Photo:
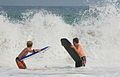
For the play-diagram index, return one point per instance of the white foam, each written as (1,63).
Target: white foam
(99,38)
(43,30)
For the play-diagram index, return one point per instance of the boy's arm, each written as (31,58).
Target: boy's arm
(75,49)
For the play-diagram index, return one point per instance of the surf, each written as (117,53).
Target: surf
(97,28)
(43,29)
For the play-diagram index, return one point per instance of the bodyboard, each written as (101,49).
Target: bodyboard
(20,63)
(67,45)
(34,52)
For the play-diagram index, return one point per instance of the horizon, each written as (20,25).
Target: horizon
(48,2)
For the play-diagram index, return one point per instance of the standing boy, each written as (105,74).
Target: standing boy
(79,50)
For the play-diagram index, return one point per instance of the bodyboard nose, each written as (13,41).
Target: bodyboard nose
(65,42)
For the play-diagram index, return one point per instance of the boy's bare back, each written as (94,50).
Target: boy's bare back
(24,52)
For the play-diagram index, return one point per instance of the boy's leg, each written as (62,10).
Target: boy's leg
(24,64)
(83,60)
(20,64)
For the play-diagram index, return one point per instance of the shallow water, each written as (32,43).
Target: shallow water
(62,71)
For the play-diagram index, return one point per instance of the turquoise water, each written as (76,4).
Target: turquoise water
(69,14)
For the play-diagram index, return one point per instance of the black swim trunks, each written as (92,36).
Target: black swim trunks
(17,59)
(83,59)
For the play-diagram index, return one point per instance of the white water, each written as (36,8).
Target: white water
(99,38)
(43,30)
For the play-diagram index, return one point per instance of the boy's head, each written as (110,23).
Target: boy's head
(29,43)
(75,41)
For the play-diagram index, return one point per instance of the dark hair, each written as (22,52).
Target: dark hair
(76,40)
(29,43)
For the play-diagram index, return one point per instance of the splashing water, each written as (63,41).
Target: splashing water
(98,30)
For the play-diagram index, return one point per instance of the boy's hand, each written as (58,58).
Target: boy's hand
(72,46)
(35,50)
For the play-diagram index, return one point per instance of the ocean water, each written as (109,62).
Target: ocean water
(24,13)
(97,27)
